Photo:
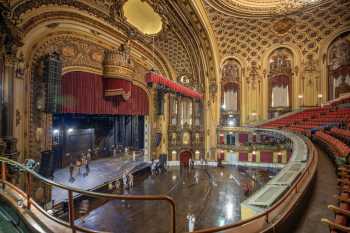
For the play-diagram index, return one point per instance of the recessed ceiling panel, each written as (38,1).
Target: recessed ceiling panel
(142,16)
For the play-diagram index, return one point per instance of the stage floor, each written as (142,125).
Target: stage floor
(101,171)
(214,200)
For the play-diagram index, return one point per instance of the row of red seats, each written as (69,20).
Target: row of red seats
(340,149)
(342,210)
(341,133)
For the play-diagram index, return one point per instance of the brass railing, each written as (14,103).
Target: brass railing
(70,190)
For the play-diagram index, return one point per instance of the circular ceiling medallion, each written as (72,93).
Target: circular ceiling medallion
(261,7)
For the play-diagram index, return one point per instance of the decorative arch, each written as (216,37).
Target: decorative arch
(279,75)
(338,66)
(231,92)
(293,74)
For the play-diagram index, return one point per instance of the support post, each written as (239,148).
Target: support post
(71,210)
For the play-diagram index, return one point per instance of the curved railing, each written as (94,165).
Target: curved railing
(70,190)
(269,219)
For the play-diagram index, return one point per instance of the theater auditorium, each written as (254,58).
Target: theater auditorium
(172,116)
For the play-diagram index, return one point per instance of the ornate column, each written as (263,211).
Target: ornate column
(11,41)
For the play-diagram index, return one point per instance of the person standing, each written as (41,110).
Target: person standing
(71,170)
(88,155)
(114,151)
(125,181)
(131,180)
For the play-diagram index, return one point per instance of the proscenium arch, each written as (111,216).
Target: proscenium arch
(297,56)
(324,47)
(70,20)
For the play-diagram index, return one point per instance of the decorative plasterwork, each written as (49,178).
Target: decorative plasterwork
(262,8)
(250,38)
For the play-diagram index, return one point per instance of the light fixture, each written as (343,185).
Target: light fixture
(223,106)
(254,113)
(231,123)
(300,96)
(70,130)
(56,131)
(319,96)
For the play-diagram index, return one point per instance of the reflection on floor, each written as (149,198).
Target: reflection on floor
(214,200)
(101,171)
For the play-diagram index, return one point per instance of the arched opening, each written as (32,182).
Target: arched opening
(185,157)
(230,93)
(280,63)
(338,55)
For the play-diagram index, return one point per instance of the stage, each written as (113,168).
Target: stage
(102,171)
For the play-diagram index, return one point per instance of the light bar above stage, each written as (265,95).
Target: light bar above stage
(152,77)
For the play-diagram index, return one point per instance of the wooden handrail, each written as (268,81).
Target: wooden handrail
(311,161)
(71,190)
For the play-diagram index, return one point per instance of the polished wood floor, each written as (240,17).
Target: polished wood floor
(214,200)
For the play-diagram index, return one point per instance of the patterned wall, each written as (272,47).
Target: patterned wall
(173,48)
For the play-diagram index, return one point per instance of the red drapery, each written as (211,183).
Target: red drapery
(84,93)
(152,77)
(280,81)
(115,87)
(231,86)
(341,71)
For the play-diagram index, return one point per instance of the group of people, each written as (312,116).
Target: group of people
(157,167)
(83,161)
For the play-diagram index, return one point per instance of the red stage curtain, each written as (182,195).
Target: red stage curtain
(84,93)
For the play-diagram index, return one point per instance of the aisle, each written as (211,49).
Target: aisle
(322,196)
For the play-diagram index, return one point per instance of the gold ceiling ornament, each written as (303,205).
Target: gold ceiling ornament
(140,14)
(118,63)
(283,26)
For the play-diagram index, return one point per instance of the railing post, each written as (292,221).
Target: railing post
(29,189)
(3,174)
(71,210)
(173,217)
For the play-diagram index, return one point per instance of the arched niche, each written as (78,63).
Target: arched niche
(338,61)
(280,74)
(230,92)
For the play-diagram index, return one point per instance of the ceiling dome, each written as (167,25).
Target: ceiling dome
(261,7)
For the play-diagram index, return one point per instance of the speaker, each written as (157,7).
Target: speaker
(46,164)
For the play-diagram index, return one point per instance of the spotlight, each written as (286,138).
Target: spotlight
(70,130)
(56,131)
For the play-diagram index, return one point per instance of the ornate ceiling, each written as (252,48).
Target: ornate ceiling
(179,41)
(249,38)
(258,8)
